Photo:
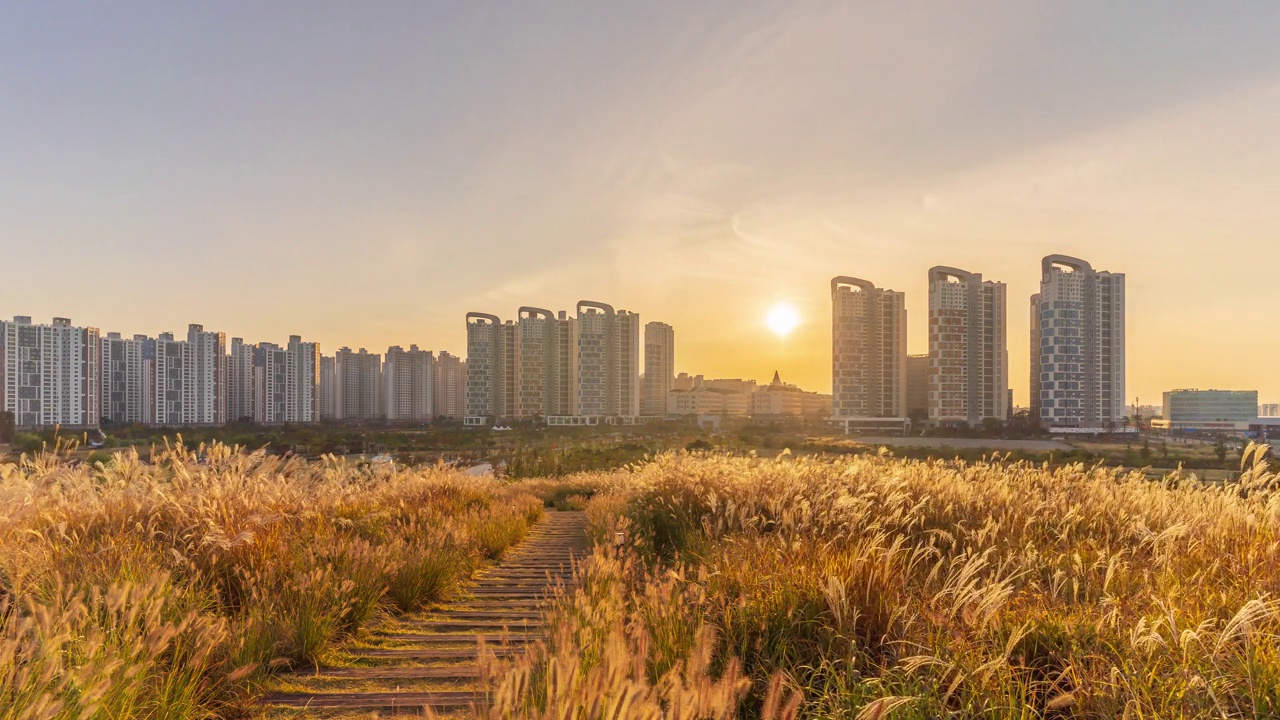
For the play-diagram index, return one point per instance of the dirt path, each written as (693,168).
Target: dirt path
(430,658)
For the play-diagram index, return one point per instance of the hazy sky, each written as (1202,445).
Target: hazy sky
(365,173)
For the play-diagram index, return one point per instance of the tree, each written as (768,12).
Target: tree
(1220,450)
(6,426)
(1145,452)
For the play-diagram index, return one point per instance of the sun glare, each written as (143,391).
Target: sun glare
(782,319)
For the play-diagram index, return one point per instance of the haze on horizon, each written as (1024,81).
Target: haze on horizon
(365,174)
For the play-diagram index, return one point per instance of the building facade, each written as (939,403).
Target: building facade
(302,381)
(359,384)
(127,365)
(659,367)
(205,399)
(918,388)
(968,353)
(408,380)
(240,382)
(1209,410)
(536,363)
(50,374)
(1078,346)
(708,401)
(564,366)
(597,358)
(484,340)
(327,392)
(869,355)
(449,387)
(270,384)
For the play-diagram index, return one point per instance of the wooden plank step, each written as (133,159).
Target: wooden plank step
(437,639)
(394,701)
(424,672)
(512,615)
(466,625)
(431,653)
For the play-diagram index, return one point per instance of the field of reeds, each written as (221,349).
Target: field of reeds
(873,587)
(170,589)
(720,586)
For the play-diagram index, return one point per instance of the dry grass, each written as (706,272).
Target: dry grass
(866,587)
(874,587)
(166,590)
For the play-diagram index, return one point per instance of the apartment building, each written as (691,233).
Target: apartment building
(968,380)
(205,401)
(408,384)
(302,380)
(240,382)
(869,355)
(597,359)
(127,368)
(270,384)
(484,350)
(359,384)
(449,387)
(659,367)
(327,389)
(50,374)
(563,395)
(536,328)
(1077,346)
(171,378)
(918,387)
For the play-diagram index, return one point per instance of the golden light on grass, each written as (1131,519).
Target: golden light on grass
(782,318)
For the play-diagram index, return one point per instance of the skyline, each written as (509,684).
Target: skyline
(365,181)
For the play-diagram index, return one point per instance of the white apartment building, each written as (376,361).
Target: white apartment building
(484,340)
(205,401)
(127,368)
(169,391)
(536,330)
(302,379)
(627,326)
(869,355)
(1077,346)
(597,359)
(270,384)
(240,382)
(359,384)
(407,377)
(50,374)
(968,377)
(659,367)
(449,387)
(327,391)
(563,394)
(508,370)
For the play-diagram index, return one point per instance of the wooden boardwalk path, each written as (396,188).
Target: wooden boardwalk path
(430,659)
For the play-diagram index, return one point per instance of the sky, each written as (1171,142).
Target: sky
(364,174)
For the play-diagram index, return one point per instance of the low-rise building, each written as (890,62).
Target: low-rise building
(708,401)
(1209,410)
(779,399)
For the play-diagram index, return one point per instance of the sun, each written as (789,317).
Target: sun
(782,318)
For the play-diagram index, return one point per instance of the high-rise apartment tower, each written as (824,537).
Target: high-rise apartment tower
(968,354)
(868,354)
(1077,346)
(659,367)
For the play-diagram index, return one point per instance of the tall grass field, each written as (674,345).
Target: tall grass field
(169,590)
(719,586)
